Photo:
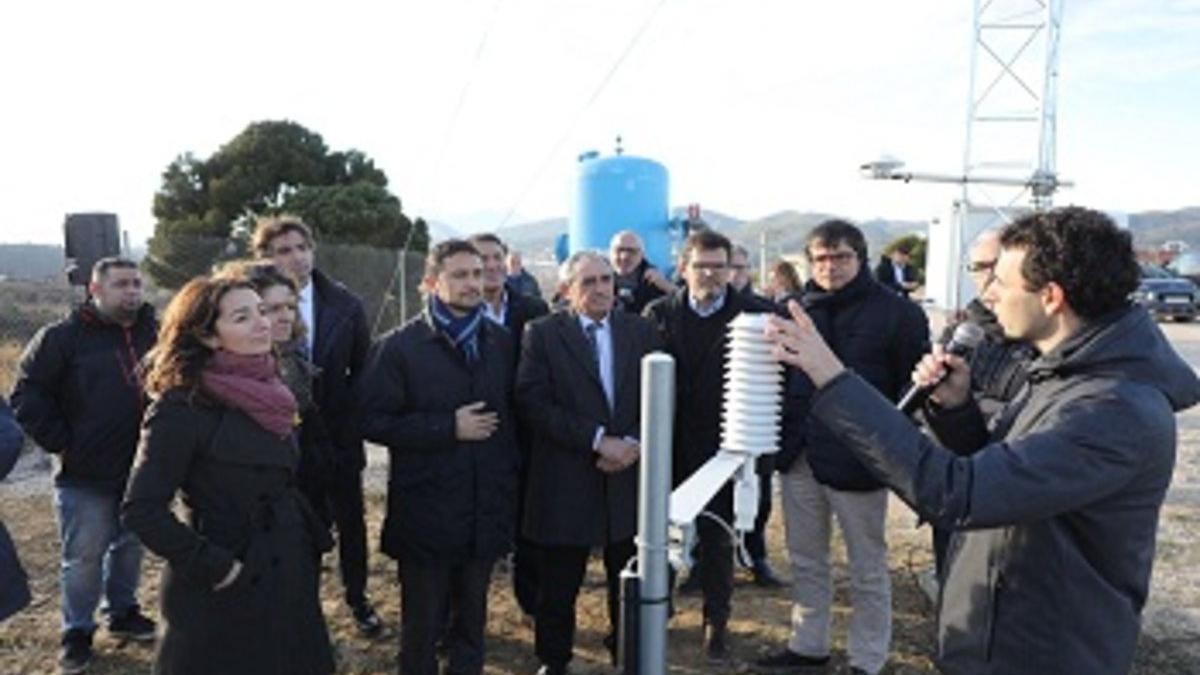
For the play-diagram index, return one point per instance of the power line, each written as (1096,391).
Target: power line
(579,115)
(452,127)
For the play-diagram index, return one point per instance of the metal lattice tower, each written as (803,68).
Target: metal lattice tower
(1009,154)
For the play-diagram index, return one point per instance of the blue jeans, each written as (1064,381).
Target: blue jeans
(97,555)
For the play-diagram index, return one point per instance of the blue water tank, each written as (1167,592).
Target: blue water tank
(617,193)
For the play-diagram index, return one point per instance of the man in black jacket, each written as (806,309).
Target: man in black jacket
(999,365)
(337,341)
(692,325)
(438,394)
(508,307)
(637,281)
(579,392)
(1055,509)
(882,336)
(79,396)
(894,272)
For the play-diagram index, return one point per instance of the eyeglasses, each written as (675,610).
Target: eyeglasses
(840,258)
(708,267)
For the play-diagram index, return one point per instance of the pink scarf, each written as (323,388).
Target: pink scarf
(251,384)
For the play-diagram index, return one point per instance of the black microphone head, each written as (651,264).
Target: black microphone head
(967,336)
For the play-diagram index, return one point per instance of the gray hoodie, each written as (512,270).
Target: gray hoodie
(1055,512)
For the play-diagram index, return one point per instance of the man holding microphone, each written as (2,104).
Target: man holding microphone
(1054,511)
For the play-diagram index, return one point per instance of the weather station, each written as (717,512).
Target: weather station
(1009,152)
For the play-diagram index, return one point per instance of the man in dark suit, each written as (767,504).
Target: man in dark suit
(578,390)
(438,394)
(895,272)
(505,305)
(337,342)
(692,325)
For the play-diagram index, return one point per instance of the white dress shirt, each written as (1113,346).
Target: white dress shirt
(498,315)
(307,306)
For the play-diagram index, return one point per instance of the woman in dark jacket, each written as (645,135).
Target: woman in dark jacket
(280,294)
(240,590)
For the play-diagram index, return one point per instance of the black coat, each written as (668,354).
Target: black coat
(885,274)
(340,343)
(14,587)
(1054,511)
(569,501)
(634,292)
(449,501)
(237,481)
(78,394)
(699,379)
(878,334)
(521,310)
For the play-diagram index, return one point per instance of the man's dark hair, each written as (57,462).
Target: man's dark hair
(1082,251)
(488,237)
(445,249)
(832,232)
(707,240)
(270,227)
(103,265)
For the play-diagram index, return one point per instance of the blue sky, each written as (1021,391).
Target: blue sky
(476,109)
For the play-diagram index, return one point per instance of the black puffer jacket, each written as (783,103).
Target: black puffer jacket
(878,334)
(449,501)
(999,366)
(1055,511)
(79,395)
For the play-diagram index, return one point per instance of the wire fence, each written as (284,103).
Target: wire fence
(386,279)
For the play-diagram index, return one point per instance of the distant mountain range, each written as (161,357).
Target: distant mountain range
(785,232)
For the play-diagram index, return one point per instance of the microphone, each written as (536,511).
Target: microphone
(967,336)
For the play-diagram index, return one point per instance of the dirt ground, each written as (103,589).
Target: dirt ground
(1170,644)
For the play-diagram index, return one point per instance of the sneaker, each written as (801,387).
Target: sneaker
(76,652)
(132,625)
(368,622)
(787,661)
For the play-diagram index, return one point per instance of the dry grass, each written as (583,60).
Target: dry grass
(29,641)
(10,356)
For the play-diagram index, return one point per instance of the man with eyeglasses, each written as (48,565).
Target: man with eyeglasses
(637,281)
(999,365)
(882,336)
(692,324)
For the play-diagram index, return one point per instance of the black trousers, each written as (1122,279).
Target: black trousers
(426,590)
(346,499)
(562,569)
(756,540)
(526,559)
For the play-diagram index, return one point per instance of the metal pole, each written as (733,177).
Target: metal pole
(762,260)
(654,497)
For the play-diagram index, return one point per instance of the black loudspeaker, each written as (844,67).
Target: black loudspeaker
(88,238)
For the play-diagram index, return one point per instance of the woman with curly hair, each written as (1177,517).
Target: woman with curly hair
(240,589)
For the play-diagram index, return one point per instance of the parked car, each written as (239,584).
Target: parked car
(1188,266)
(1166,295)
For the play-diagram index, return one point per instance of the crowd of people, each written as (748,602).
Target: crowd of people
(512,427)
